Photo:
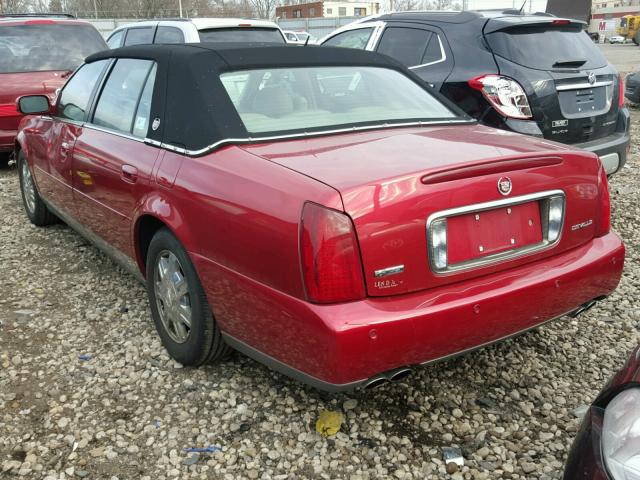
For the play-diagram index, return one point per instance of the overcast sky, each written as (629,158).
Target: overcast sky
(536,5)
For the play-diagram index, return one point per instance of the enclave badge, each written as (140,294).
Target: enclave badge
(504,185)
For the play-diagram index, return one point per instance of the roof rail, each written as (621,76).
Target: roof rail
(36,15)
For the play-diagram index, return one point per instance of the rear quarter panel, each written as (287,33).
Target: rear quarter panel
(240,213)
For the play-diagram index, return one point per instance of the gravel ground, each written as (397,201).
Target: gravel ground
(86,390)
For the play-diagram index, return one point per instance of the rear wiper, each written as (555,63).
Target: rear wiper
(569,63)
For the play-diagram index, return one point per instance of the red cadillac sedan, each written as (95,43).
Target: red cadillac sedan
(320,209)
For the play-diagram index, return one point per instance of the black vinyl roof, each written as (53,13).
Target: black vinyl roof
(241,56)
(193,106)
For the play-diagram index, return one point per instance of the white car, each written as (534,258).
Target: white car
(300,38)
(616,39)
(196,30)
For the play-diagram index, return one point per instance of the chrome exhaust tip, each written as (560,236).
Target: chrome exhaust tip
(375,382)
(399,374)
(583,308)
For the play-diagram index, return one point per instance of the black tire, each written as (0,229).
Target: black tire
(204,342)
(35,208)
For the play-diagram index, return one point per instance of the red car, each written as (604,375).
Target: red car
(319,209)
(37,53)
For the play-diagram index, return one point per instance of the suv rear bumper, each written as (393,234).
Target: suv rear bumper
(344,346)
(611,149)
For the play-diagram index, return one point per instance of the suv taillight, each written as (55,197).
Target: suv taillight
(621,98)
(504,94)
(604,215)
(331,265)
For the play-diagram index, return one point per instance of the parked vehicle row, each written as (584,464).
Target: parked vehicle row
(326,210)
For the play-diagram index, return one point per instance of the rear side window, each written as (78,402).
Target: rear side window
(541,48)
(169,35)
(242,35)
(115,40)
(139,36)
(407,45)
(120,100)
(74,99)
(351,39)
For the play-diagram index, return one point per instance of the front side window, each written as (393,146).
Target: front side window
(115,40)
(75,97)
(47,47)
(351,39)
(307,98)
(120,103)
(139,36)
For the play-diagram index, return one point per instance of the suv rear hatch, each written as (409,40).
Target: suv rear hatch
(396,184)
(572,90)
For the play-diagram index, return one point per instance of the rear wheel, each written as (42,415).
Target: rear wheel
(34,207)
(179,306)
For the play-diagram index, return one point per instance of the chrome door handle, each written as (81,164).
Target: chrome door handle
(129,173)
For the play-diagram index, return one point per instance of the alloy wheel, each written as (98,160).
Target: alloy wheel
(28,188)
(173,296)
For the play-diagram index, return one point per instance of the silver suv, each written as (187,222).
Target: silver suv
(195,30)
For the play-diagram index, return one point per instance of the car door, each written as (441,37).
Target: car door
(422,48)
(55,178)
(112,164)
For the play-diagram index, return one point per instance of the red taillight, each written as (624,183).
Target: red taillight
(331,265)
(604,217)
(621,99)
(9,110)
(505,94)
(561,22)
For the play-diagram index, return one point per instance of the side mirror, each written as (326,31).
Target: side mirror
(33,104)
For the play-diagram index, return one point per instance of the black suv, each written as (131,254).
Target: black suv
(533,74)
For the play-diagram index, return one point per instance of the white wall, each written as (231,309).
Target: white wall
(534,5)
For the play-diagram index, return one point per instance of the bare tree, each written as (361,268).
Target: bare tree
(264,8)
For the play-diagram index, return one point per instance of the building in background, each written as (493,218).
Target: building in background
(606,15)
(327,9)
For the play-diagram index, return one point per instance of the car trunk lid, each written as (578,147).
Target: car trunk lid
(394,182)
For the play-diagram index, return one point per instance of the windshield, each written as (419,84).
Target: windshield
(42,47)
(547,48)
(279,100)
(242,35)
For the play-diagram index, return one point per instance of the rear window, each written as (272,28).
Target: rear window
(43,47)
(308,98)
(545,48)
(241,35)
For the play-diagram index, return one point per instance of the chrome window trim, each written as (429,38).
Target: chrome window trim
(226,141)
(443,54)
(117,133)
(497,257)
(583,85)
